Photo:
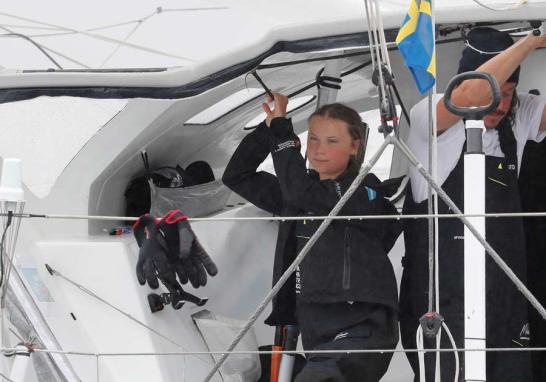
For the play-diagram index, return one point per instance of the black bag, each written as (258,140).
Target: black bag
(193,191)
(137,193)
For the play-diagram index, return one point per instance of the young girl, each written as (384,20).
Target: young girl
(344,294)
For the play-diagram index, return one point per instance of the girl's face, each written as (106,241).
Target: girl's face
(329,146)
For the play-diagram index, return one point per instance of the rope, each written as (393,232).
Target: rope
(362,173)
(375,45)
(455,351)
(431,209)
(516,5)
(419,340)
(433,226)
(382,38)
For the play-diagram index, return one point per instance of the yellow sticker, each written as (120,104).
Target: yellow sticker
(500,166)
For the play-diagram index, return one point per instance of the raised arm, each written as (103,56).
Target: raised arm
(258,187)
(476,92)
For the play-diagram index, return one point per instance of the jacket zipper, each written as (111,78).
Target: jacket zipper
(347,260)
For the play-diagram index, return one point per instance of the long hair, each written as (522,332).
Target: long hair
(507,140)
(358,129)
(511,115)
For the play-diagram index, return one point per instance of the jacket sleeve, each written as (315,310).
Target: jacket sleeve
(307,193)
(258,187)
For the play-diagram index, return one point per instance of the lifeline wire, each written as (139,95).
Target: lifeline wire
(54,272)
(241,352)
(287,218)
(362,173)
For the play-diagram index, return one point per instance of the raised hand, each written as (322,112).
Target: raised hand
(279,108)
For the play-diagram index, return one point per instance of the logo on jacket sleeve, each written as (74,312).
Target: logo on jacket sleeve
(338,188)
(372,194)
(287,144)
(298,280)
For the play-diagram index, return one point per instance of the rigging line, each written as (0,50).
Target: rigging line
(19,207)
(86,30)
(382,39)
(374,50)
(430,210)
(434,169)
(105,26)
(490,251)
(368,29)
(376,45)
(101,37)
(43,48)
(378,49)
(288,218)
(515,5)
(68,58)
(305,250)
(258,352)
(10,33)
(139,23)
(54,272)
(6,378)
(111,26)
(27,27)
(435,166)
(3,248)
(455,351)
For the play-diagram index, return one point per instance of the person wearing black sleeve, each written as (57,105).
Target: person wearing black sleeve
(343,295)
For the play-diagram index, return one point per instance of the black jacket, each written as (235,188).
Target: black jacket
(349,261)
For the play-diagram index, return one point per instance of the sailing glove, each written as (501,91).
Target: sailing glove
(190,260)
(153,257)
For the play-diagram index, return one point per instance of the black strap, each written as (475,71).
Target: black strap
(144,156)
(327,81)
(146,162)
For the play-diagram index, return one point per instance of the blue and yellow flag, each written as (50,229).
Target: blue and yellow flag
(415,41)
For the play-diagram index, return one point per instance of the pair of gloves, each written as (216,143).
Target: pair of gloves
(169,248)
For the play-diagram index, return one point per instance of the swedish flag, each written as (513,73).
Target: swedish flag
(415,41)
